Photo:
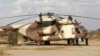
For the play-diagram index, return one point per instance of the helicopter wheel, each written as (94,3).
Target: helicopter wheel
(86,41)
(71,41)
(46,42)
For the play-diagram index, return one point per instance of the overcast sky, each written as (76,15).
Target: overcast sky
(90,8)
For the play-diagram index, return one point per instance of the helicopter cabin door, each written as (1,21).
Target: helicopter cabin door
(67,31)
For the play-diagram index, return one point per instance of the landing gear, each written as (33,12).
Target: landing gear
(47,42)
(71,41)
(43,43)
(76,41)
(68,41)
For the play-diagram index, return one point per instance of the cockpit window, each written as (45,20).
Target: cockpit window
(77,30)
(82,29)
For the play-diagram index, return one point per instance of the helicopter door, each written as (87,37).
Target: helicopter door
(67,31)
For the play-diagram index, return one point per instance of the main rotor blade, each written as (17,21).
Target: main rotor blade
(80,16)
(20,20)
(19,16)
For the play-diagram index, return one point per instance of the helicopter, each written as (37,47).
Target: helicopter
(48,27)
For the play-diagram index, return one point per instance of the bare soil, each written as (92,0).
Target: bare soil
(58,48)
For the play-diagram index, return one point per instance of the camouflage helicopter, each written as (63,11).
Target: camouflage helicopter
(49,27)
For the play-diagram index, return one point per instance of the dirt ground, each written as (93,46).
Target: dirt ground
(58,48)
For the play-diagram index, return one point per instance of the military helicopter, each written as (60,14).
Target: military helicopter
(49,27)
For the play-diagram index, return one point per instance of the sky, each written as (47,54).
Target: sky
(90,8)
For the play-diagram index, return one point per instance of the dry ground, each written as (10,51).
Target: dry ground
(58,48)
